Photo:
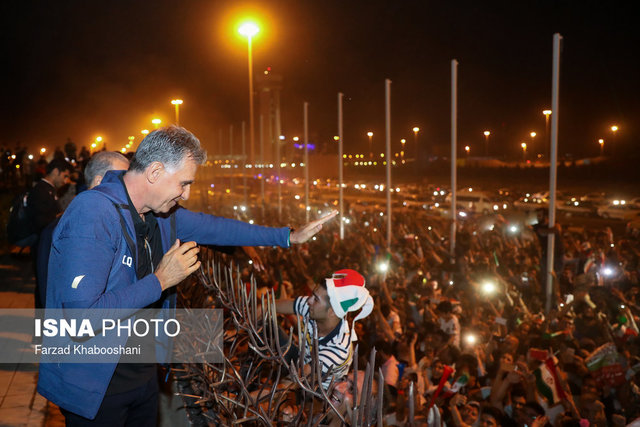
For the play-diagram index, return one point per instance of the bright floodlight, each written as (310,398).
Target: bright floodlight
(369,133)
(383,267)
(156,121)
(488,287)
(471,339)
(416,129)
(176,101)
(614,128)
(546,112)
(487,133)
(248,29)
(607,271)
(533,134)
(513,229)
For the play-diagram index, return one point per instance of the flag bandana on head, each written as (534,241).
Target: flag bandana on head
(347,293)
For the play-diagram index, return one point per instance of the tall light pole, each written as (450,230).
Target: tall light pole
(177,103)
(614,129)
(415,129)
(370,135)
(546,113)
(532,135)
(524,151)
(601,142)
(486,143)
(250,29)
(341,163)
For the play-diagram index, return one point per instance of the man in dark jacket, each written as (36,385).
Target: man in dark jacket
(114,248)
(43,208)
(42,203)
(98,166)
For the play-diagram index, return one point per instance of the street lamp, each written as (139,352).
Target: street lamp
(145,131)
(486,143)
(532,135)
(467,149)
(547,142)
(524,151)
(370,135)
(614,129)
(402,142)
(156,122)
(249,30)
(177,103)
(601,142)
(415,129)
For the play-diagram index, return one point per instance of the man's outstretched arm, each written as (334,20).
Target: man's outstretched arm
(284,306)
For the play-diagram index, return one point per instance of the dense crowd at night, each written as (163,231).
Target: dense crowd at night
(469,335)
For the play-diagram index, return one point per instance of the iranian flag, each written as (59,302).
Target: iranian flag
(547,382)
(455,388)
(447,372)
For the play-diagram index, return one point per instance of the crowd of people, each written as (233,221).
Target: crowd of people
(472,337)
(468,336)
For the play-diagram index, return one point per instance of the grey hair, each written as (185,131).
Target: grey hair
(100,163)
(170,146)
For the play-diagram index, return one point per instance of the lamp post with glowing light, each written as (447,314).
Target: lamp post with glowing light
(370,135)
(156,123)
(601,142)
(486,143)
(402,142)
(177,103)
(467,149)
(145,132)
(415,129)
(249,30)
(614,129)
(98,140)
(532,135)
(524,151)
(546,113)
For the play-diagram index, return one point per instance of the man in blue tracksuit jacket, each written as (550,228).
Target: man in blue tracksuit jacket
(113,249)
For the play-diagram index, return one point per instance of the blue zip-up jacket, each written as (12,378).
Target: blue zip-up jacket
(89,242)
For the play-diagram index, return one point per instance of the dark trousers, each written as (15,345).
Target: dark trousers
(138,407)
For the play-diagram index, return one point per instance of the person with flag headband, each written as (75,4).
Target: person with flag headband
(325,315)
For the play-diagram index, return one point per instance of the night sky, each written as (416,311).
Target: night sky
(85,68)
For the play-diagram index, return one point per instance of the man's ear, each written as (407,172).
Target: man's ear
(154,172)
(96,181)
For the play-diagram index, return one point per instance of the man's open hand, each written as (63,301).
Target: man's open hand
(308,231)
(178,263)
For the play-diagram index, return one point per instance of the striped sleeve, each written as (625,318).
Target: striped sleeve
(301,306)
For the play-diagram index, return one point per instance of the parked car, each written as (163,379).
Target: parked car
(618,211)
(472,200)
(574,206)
